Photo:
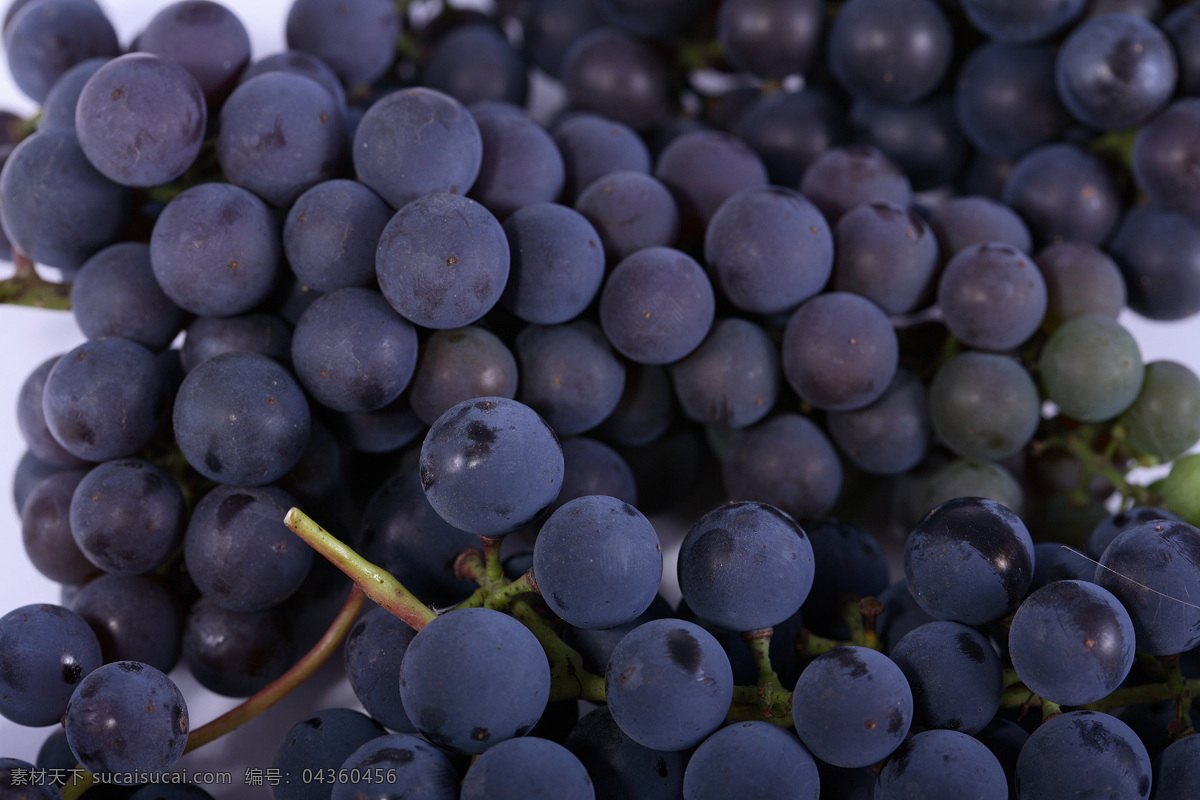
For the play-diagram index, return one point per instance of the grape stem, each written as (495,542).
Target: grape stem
(768,700)
(271,694)
(376,582)
(27,288)
(569,680)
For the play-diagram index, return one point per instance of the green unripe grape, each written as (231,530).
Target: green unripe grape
(984,405)
(966,478)
(1181,489)
(1164,421)
(1091,368)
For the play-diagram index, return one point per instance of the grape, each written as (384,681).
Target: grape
(923,139)
(961,222)
(1181,28)
(768,250)
(889,436)
(886,254)
(1159,254)
(569,375)
(597,562)
(1091,368)
(474,63)
(1151,568)
(45,650)
(126,717)
(853,706)
(442,261)
(215,250)
(320,742)
(527,769)
(352,351)
(1080,279)
(840,351)
(1083,752)
(1115,71)
(47,38)
(206,38)
(703,169)
(1072,642)
(241,419)
(852,564)
(983,405)
(789,130)
(770,39)
(757,758)
(745,566)
(134,617)
(841,178)
(970,560)
(630,211)
(653,19)
(668,684)
(235,653)
(280,134)
(645,410)
(374,650)
(489,651)
(115,294)
(890,52)
(1162,151)
(550,27)
(262,333)
(593,147)
(593,467)
(1055,561)
(490,466)
(992,296)
(1108,529)
(31,419)
(521,164)
(657,306)
(46,530)
(457,365)
(382,431)
(127,516)
(557,264)
(356,38)
(1164,420)
(966,478)
(1021,21)
(616,76)
(423,771)
(58,109)
(620,768)
(1178,770)
(732,378)
(1064,194)
(299,62)
(955,675)
(415,142)
(785,461)
(942,765)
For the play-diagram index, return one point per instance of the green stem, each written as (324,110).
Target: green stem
(81,781)
(1011,678)
(1182,697)
(27,288)
(1097,464)
(493,570)
(1050,709)
(501,598)
(768,700)
(376,582)
(568,678)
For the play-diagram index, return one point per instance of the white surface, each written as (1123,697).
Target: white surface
(28,337)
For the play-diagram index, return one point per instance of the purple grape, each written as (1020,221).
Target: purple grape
(45,651)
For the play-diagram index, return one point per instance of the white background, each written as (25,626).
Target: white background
(29,336)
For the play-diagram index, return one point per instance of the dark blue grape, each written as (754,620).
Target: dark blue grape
(490,466)
(424,771)
(768,249)
(1163,151)
(569,374)
(527,769)
(241,419)
(457,365)
(352,351)
(844,177)
(105,399)
(134,617)
(668,685)
(320,742)
(789,130)
(115,294)
(620,768)
(550,27)
(206,38)
(489,651)
(1159,254)
(55,206)
(58,109)
(745,566)
(1080,279)
(923,140)
(1178,770)
(1115,71)
(442,261)
(45,39)
(1055,561)
(236,654)
(657,306)
(752,759)
(592,467)
(263,333)
(992,296)
(1005,99)
(705,168)
(889,52)
(961,222)
(1182,27)
(942,765)
(853,706)
(786,461)
(45,651)
(127,516)
(653,19)
(127,717)
(215,250)
(1064,194)
(616,76)
(31,420)
(889,436)
(521,164)
(631,211)
(374,649)
(46,530)
(1083,752)
(474,62)
(299,62)
(732,378)
(1152,568)
(955,674)
(357,39)
(29,473)
(557,264)
(969,560)
(280,134)
(141,120)
(597,562)
(1023,20)
(646,408)
(382,431)
(852,565)
(593,147)
(771,39)
(239,552)
(416,142)
(886,254)
(330,234)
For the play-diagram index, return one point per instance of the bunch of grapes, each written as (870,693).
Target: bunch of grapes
(635,398)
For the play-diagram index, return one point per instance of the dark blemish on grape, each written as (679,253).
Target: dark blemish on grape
(129,666)
(313,722)
(72,673)
(901,758)
(12,672)
(522,730)
(630,510)
(685,651)
(954,724)
(970,647)
(557,598)
(427,476)
(212,461)
(1094,735)
(848,660)
(480,439)
(1144,786)
(389,756)
(486,405)
(275,138)
(357,630)
(895,720)
(433,719)
(480,734)
(661,764)
(88,690)
(504,509)
(231,506)
(716,547)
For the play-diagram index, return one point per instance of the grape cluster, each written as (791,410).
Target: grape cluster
(814,305)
